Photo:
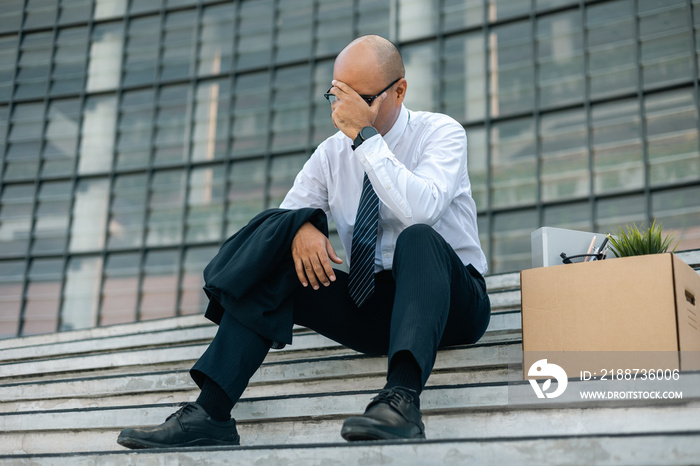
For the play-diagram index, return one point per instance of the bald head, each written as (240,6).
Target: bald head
(385,55)
(369,66)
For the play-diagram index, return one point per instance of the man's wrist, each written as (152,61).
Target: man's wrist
(364,134)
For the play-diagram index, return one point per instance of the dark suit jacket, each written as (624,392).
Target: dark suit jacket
(252,277)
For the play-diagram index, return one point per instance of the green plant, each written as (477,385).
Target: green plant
(635,242)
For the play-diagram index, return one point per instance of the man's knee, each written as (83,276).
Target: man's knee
(416,236)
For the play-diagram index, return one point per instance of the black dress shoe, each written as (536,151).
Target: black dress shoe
(390,415)
(189,426)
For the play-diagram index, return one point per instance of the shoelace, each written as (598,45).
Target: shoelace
(185,408)
(393,397)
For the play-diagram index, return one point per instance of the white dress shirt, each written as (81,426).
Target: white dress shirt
(419,172)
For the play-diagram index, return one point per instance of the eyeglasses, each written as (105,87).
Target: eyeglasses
(369,99)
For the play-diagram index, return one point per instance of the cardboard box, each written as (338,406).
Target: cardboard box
(613,313)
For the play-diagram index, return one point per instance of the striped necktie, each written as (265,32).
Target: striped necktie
(364,245)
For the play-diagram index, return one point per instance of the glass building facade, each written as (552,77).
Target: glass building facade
(137,135)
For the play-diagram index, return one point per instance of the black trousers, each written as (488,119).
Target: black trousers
(429,300)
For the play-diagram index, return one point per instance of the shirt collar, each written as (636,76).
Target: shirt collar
(396,131)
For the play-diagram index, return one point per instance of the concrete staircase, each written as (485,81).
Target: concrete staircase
(64,398)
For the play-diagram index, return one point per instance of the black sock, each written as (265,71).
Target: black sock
(405,372)
(215,401)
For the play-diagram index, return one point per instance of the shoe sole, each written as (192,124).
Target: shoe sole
(138,444)
(368,432)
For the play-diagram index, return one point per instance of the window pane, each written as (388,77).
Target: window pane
(696,28)
(127,211)
(178,42)
(159,291)
(246,194)
(175,3)
(478,165)
(514,164)
(511,241)
(211,113)
(282,174)
(611,48)
(97,143)
(250,114)
(43,296)
(142,46)
(572,216)
(11,18)
(166,208)
(255,34)
(560,59)
(665,48)
(120,289)
(172,128)
(89,215)
(421,74)
(143,7)
(105,57)
(24,141)
(192,297)
(8,62)
(81,294)
(293,38)
(34,65)
(4,122)
(417,18)
(334,26)
(511,69)
(69,61)
(290,122)
(71,11)
(11,280)
(502,9)
(672,137)
(61,142)
(617,150)
(109,8)
(679,212)
(134,132)
(618,212)
(564,148)
(16,206)
(545,4)
(322,124)
(216,39)
(205,204)
(458,14)
(465,78)
(374,17)
(52,216)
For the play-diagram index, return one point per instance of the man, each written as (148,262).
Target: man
(396,184)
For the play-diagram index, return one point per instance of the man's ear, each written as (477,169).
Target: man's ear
(401,87)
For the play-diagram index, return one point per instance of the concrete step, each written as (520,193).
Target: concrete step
(495,284)
(668,449)
(74,391)
(612,450)
(201,331)
(196,331)
(129,351)
(503,289)
(468,411)
(456,364)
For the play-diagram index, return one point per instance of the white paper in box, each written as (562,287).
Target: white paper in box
(548,243)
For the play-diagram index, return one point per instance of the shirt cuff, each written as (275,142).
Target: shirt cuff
(369,152)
